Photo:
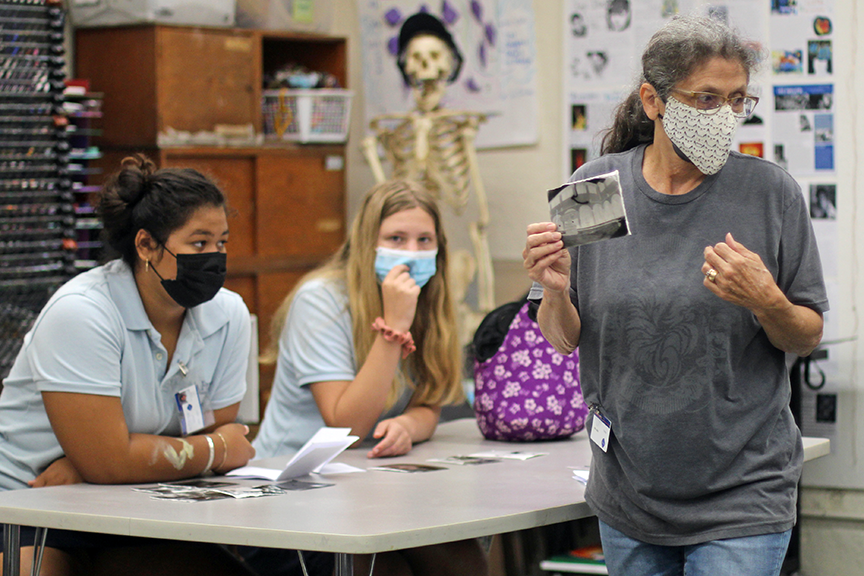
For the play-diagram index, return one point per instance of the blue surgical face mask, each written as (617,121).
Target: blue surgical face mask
(421,263)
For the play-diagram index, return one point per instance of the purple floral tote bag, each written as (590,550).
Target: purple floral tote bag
(526,390)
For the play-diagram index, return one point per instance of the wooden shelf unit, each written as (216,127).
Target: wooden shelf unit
(190,78)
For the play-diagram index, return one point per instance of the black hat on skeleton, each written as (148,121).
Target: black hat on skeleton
(425,23)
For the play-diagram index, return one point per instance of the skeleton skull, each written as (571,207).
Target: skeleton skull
(428,66)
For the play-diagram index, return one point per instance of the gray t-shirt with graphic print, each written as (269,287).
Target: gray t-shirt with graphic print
(703,443)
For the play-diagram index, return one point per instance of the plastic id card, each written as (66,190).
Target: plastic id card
(191,415)
(601,429)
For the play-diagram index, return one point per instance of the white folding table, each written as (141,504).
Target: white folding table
(362,513)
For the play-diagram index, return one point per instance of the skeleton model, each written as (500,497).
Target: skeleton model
(436,147)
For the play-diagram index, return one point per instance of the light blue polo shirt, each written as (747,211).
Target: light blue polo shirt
(94,337)
(316,345)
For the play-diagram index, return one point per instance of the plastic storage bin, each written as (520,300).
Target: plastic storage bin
(88,13)
(297,15)
(307,115)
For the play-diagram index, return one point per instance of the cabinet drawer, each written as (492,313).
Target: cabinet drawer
(300,207)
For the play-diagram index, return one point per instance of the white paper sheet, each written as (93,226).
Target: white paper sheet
(325,444)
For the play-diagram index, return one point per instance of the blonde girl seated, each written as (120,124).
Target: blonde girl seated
(368,342)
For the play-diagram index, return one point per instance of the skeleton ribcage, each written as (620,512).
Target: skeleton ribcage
(445,169)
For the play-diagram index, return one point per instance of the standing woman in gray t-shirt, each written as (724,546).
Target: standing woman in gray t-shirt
(683,325)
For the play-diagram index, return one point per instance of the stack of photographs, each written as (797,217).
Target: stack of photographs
(202,490)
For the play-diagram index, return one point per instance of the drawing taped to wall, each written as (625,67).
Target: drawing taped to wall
(578,157)
(579,120)
(823,141)
(787,62)
(752,148)
(819,58)
(618,15)
(784,6)
(823,201)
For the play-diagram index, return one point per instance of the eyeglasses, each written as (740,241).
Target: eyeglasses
(709,103)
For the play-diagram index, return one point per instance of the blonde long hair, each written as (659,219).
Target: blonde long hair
(436,365)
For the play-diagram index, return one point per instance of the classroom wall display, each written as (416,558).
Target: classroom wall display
(802,39)
(498,76)
(803,142)
(802,66)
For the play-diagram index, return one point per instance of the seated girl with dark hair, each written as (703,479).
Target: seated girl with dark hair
(95,391)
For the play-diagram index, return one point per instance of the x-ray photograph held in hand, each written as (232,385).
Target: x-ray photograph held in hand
(589,210)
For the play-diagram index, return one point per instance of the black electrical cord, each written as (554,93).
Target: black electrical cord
(807,362)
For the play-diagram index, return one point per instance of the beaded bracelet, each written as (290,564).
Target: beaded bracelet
(391,335)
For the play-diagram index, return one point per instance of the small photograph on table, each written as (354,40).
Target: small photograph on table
(406,467)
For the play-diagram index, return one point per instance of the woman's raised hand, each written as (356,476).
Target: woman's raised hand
(399,293)
(545,258)
(740,276)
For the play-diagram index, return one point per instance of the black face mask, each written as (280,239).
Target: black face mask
(199,277)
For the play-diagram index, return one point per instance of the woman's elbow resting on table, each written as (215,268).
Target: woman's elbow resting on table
(398,435)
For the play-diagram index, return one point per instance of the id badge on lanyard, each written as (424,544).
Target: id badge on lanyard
(191,414)
(601,429)
(194,409)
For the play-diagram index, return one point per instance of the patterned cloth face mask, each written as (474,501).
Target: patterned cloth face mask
(421,263)
(704,139)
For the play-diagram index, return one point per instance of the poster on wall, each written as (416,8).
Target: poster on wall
(498,75)
(804,128)
(605,38)
(802,60)
(802,69)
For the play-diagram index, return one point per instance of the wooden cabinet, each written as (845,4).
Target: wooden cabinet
(287,199)
(155,77)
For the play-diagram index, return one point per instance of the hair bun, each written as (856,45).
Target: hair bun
(134,178)
(139,162)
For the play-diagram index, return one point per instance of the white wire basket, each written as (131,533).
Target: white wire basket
(307,115)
